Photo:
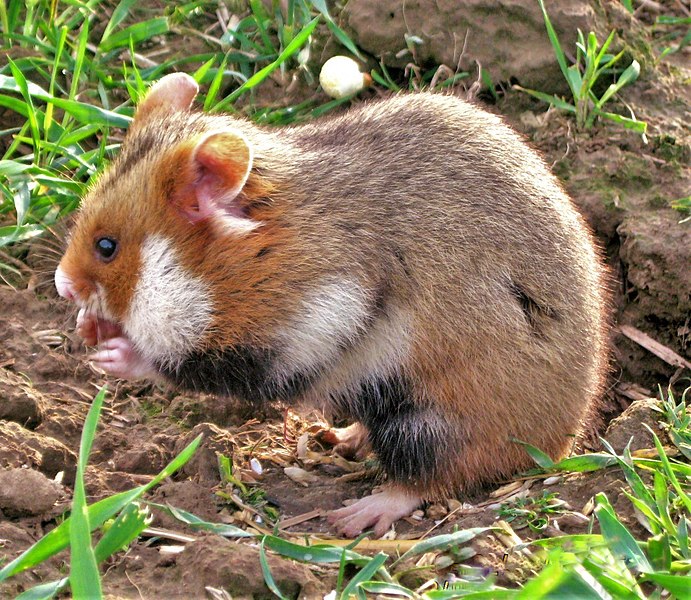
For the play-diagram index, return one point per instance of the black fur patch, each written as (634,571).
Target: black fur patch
(532,309)
(263,251)
(243,372)
(400,257)
(412,440)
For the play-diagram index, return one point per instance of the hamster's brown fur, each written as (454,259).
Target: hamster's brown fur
(411,264)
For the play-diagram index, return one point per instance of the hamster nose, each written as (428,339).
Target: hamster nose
(64,285)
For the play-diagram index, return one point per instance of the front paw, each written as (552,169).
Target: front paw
(93,329)
(118,357)
(350,442)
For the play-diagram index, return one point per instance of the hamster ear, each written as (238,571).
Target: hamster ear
(175,92)
(221,163)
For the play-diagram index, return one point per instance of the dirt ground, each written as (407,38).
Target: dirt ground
(622,185)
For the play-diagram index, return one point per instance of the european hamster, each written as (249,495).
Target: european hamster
(410,264)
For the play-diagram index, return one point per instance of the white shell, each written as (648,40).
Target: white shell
(340,76)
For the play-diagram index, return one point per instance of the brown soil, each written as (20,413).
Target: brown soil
(46,387)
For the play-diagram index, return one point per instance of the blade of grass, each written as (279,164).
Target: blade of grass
(137,32)
(556,582)
(629,75)
(84,113)
(15,105)
(365,574)
(620,541)
(556,45)
(56,69)
(266,571)
(632,477)
(442,542)
(314,554)
(653,523)
(215,85)
(328,106)
(338,33)
(119,15)
(662,502)
(659,552)
(669,472)
(453,594)
(5,23)
(585,462)
(85,580)
(341,574)
(260,17)
(549,98)
(678,585)
(12,234)
(23,88)
(600,58)
(683,537)
(22,200)
(45,591)
(79,58)
(388,589)
(195,522)
(621,588)
(131,521)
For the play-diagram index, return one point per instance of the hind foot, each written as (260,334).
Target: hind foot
(380,510)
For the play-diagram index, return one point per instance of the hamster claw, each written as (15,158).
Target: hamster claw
(380,510)
(118,357)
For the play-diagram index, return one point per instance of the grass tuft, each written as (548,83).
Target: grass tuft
(591,64)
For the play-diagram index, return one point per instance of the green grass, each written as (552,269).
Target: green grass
(534,513)
(592,64)
(683,205)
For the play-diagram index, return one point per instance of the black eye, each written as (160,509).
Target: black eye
(106,248)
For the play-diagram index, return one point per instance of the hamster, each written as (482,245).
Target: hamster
(411,265)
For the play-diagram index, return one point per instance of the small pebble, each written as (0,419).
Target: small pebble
(453,504)
(436,512)
(573,519)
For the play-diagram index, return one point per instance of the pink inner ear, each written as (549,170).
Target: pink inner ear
(219,167)
(213,195)
(219,182)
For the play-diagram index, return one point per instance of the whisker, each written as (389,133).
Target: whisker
(98,311)
(15,262)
